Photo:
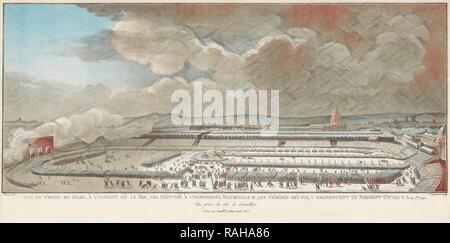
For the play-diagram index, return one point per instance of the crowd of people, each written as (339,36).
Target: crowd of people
(184,173)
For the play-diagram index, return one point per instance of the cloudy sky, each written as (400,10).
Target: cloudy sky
(128,59)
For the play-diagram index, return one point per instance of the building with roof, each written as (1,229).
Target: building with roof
(428,139)
(39,146)
(441,141)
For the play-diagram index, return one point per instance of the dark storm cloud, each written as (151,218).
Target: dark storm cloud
(361,59)
(96,48)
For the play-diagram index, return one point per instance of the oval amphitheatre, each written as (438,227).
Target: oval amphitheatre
(239,159)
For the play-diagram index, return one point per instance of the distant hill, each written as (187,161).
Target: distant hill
(164,120)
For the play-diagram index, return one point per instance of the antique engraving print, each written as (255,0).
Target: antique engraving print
(224,98)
